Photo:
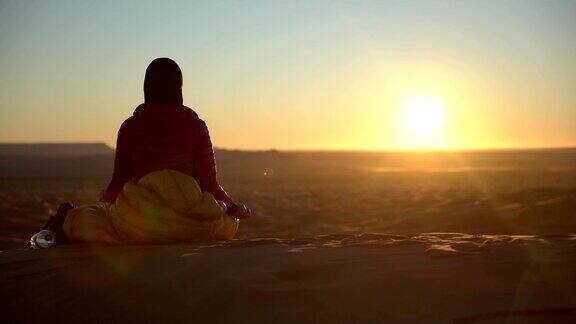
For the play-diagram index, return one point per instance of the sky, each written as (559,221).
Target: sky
(298,75)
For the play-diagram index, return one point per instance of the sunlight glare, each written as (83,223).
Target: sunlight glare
(421,122)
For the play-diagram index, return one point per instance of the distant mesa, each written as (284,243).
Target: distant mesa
(55,149)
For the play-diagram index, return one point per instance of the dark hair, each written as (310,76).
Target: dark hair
(163,82)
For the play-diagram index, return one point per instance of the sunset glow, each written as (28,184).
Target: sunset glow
(312,75)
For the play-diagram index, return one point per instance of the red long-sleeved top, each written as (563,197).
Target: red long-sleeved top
(164,136)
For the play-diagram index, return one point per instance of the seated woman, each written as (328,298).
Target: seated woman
(164,186)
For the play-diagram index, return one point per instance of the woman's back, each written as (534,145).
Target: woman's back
(163,137)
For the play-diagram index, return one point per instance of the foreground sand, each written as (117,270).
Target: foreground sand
(336,278)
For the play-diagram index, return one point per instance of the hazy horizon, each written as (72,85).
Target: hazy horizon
(304,76)
(437,150)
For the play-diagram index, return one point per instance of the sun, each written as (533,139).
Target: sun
(421,122)
(422,115)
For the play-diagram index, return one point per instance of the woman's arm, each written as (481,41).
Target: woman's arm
(205,170)
(122,167)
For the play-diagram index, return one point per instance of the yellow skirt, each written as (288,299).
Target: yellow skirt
(165,206)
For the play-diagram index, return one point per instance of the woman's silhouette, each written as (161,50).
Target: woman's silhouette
(165,134)
(162,134)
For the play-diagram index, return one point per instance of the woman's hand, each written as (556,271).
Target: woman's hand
(242,212)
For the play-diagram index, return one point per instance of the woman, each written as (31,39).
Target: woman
(162,134)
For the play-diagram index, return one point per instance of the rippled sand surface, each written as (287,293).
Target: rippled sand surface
(432,277)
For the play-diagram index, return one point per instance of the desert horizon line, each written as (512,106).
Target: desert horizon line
(321,150)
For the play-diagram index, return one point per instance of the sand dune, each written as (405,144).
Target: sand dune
(334,237)
(434,277)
